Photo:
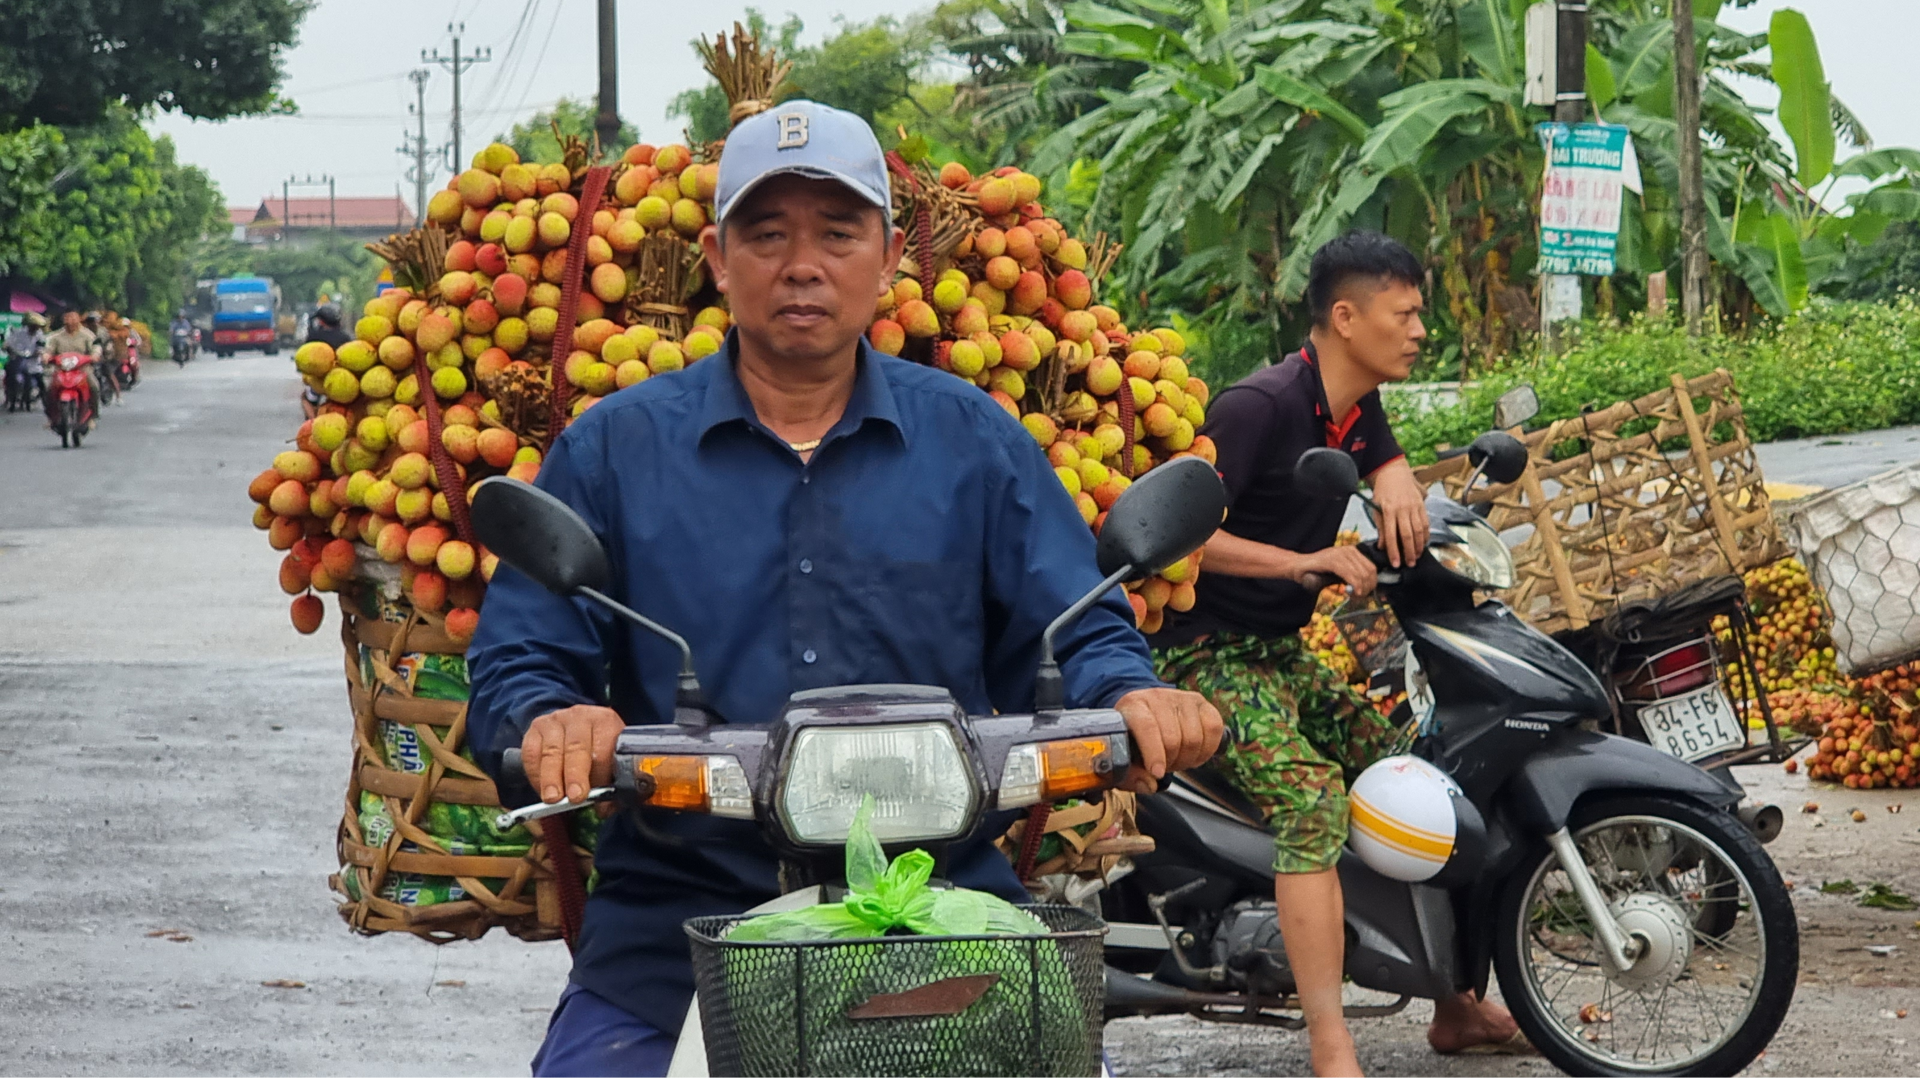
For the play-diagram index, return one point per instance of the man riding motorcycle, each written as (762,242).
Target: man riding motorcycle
(73,337)
(122,344)
(1298,732)
(24,375)
(809,512)
(180,336)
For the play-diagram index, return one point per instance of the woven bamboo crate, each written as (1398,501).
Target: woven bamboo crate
(523,896)
(1622,520)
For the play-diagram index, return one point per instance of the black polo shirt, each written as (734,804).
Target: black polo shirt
(1260,426)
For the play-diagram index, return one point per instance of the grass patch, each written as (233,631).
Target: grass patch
(1833,368)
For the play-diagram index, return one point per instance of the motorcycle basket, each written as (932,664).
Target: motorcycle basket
(959,1005)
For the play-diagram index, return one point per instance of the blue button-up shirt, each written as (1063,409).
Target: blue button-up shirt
(926,541)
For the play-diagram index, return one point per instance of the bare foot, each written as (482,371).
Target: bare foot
(1333,1055)
(1464,1021)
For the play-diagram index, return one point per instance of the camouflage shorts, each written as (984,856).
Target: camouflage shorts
(1296,732)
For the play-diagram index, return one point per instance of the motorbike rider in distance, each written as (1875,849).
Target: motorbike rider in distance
(1298,733)
(860,519)
(23,344)
(73,337)
(180,335)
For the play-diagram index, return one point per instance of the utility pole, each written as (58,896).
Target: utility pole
(309,181)
(415,146)
(1693,204)
(607,123)
(1570,97)
(457,63)
(1560,299)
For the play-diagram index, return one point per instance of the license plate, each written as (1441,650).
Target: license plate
(1693,725)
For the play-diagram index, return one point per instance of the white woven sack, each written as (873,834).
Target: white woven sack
(1862,545)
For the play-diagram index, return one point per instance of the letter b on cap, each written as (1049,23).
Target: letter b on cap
(793,131)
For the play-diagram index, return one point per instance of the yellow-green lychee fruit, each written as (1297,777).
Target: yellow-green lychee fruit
(378,382)
(315,358)
(449,382)
(341,386)
(330,430)
(357,356)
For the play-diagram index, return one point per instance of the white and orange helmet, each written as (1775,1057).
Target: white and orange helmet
(1411,822)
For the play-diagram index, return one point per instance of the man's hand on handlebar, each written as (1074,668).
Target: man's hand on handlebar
(1171,729)
(1346,563)
(1403,513)
(570,752)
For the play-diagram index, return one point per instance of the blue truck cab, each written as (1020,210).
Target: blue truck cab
(246,313)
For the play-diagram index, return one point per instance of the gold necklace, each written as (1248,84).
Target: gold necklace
(803,447)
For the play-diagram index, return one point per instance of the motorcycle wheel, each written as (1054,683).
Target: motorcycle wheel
(1693,1004)
(69,424)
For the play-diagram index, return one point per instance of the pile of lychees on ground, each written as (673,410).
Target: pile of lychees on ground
(1868,735)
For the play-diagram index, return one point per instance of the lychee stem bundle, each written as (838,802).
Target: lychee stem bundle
(749,77)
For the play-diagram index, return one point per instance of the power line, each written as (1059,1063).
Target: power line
(349,84)
(539,61)
(515,53)
(458,63)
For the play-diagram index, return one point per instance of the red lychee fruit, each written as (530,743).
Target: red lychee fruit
(429,590)
(460,255)
(461,624)
(307,612)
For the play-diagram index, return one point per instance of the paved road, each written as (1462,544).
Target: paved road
(1833,460)
(176,758)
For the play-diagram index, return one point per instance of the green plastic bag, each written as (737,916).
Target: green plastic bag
(883,897)
(1029,1022)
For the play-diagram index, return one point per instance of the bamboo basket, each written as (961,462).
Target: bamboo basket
(1621,520)
(518,893)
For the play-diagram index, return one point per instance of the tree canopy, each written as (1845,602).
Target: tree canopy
(66,62)
(105,214)
(1224,143)
(534,139)
(880,71)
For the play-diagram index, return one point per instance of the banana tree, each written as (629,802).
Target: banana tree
(1789,238)
(1257,130)
(1255,133)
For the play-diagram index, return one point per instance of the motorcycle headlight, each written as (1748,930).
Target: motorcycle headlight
(918,775)
(1478,556)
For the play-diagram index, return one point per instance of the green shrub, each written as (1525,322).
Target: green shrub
(1835,367)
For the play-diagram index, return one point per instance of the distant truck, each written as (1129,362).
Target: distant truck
(246,315)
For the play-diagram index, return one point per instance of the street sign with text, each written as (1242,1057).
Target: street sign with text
(1588,165)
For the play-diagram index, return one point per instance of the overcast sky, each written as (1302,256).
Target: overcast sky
(348,74)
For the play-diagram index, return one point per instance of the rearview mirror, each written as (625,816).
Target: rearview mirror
(1516,407)
(539,535)
(1499,456)
(1326,473)
(1163,516)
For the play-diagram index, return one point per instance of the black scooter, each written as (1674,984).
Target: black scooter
(1636,925)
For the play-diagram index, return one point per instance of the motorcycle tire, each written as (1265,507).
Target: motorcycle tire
(1771,909)
(69,424)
